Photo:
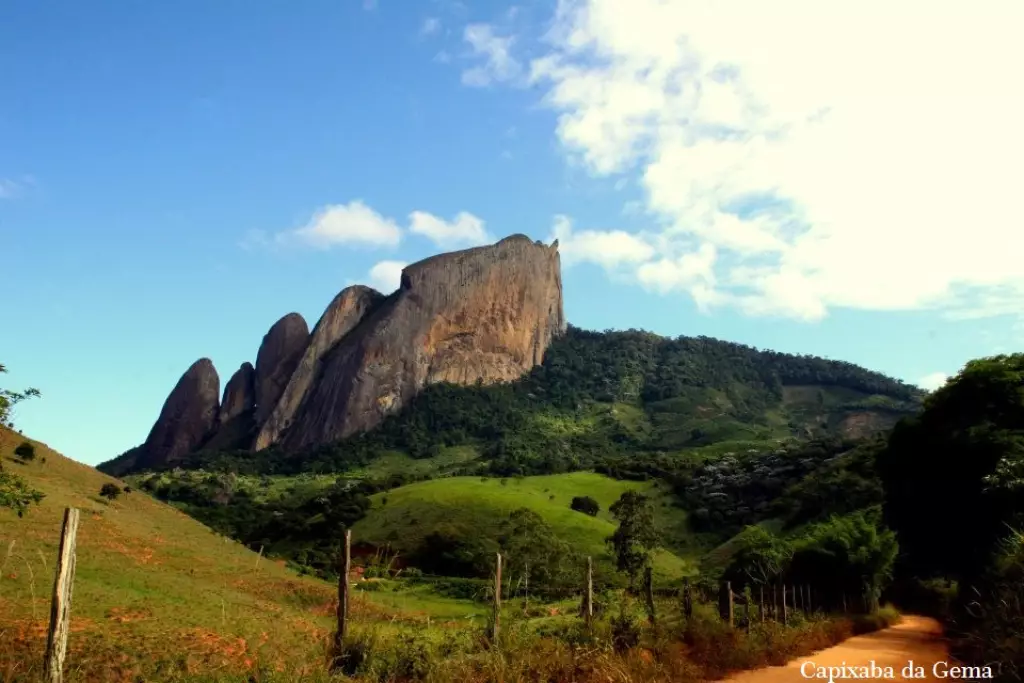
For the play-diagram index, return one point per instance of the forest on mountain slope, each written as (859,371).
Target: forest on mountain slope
(603,394)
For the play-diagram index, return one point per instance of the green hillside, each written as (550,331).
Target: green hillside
(464,507)
(156,593)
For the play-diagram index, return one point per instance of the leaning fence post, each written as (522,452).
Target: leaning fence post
(496,620)
(344,590)
(725,604)
(60,603)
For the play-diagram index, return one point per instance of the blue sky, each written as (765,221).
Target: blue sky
(174,177)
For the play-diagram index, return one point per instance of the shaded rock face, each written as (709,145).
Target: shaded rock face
(485,314)
(187,418)
(239,394)
(279,355)
(343,314)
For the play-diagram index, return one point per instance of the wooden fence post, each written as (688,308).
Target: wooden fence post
(725,603)
(844,602)
(344,590)
(748,599)
(808,604)
(785,615)
(496,620)
(687,599)
(649,595)
(526,591)
(775,601)
(60,603)
(588,595)
(760,604)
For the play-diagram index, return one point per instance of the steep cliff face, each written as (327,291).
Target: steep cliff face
(484,314)
(188,416)
(279,355)
(343,314)
(239,394)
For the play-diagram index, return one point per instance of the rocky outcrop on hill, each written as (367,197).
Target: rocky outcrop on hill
(239,394)
(279,355)
(485,314)
(346,311)
(187,418)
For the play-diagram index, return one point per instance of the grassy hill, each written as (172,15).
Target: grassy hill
(475,507)
(157,595)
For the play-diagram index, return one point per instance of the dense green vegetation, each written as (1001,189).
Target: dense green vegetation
(599,396)
(953,482)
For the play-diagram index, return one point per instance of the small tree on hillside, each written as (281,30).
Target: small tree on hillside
(586,505)
(636,536)
(25,451)
(9,399)
(110,491)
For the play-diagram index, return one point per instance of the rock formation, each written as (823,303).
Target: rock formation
(342,315)
(239,394)
(187,418)
(485,314)
(279,355)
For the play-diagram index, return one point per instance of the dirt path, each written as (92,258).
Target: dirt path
(915,638)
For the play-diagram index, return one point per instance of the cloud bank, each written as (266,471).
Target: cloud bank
(801,155)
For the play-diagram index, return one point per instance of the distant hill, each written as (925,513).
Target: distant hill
(600,395)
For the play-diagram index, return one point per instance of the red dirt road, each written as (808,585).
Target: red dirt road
(915,638)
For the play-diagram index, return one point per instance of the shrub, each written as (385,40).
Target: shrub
(25,451)
(110,491)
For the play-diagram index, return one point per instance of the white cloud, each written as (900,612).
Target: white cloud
(609,249)
(933,381)
(346,224)
(386,276)
(826,155)
(465,230)
(431,25)
(498,64)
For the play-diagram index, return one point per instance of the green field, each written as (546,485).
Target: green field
(403,517)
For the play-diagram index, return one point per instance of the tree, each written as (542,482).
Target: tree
(16,494)
(850,553)
(586,505)
(532,550)
(635,537)
(954,476)
(761,557)
(25,451)
(110,491)
(9,399)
